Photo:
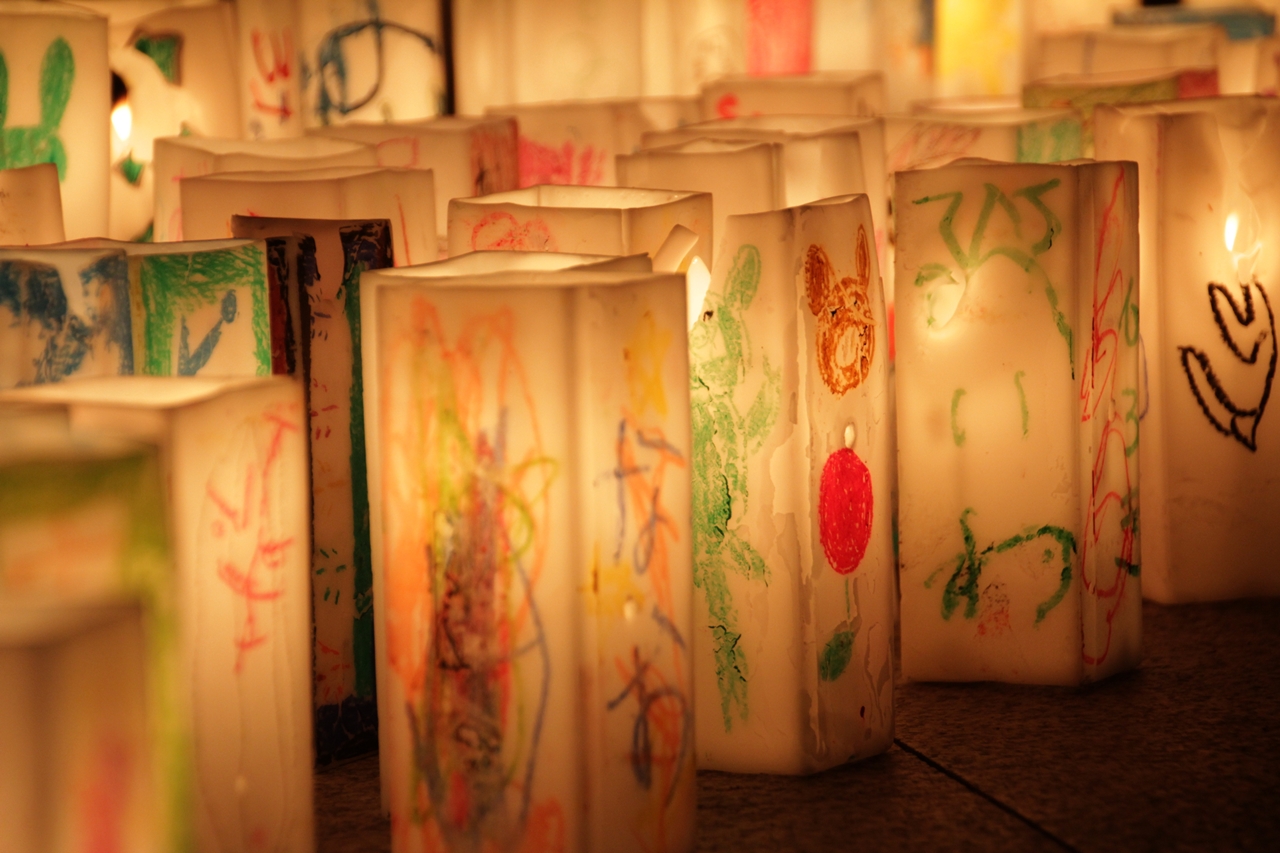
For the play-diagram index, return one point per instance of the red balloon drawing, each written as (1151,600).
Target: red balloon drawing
(844,510)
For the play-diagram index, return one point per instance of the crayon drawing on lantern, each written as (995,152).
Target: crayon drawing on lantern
(29,146)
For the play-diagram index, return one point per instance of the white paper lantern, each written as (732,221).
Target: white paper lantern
(55,98)
(792,512)
(830,93)
(1017,389)
(30,206)
(1209,209)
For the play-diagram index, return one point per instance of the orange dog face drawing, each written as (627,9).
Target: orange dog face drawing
(846,327)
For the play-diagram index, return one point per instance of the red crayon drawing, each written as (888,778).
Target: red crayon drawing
(500,230)
(845,505)
(544,164)
(779,36)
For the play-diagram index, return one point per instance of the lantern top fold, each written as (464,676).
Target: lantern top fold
(963,106)
(46,7)
(300,148)
(1001,116)
(492,260)
(134,249)
(565,279)
(143,392)
(1108,79)
(317,174)
(582,197)
(1239,22)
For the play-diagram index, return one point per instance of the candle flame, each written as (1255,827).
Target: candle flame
(122,120)
(698,282)
(1230,231)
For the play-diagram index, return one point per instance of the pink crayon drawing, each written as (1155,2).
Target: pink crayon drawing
(501,230)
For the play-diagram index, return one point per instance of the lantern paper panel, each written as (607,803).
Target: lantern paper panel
(64,313)
(468,156)
(574,142)
(1084,92)
(370,60)
(270,75)
(552,512)
(1246,60)
(404,197)
(792,512)
(174,66)
(1127,49)
(980,46)
(904,50)
(55,100)
(94,743)
(1017,388)
(236,502)
(200,308)
(578,220)
(740,177)
(330,258)
(924,140)
(828,93)
(30,206)
(178,158)
(1209,208)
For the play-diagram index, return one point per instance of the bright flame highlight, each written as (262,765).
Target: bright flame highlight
(122,121)
(697,283)
(1230,230)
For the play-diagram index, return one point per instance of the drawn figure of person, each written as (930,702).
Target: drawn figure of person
(191,361)
(30,146)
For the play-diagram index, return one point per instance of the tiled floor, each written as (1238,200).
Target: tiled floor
(1182,754)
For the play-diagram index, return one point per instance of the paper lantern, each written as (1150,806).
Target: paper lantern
(923,140)
(1209,265)
(370,60)
(405,197)
(88,745)
(237,601)
(270,73)
(739,177)
(590,220)
(467,156)
(55,98)
(63,313)
(1017,388)
(1084,92)
(1131,49)
(903,43)
(30,206)
(178,158)
(574,142)
(200,308)
(174,66)
(334,253)
(792,512)
(980,46)
(535,535)
(1246,60)
(830,93)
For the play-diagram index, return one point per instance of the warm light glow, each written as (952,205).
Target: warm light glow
(122,120)
(1230,230)
(698,282)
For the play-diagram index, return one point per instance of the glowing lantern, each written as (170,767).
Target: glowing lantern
(828,93)
(63,313)
(329,258)
(1209,282)
(270,75)
(575,142)
(924,139)
(1126,49)
(793,467)
(1246,59)
(467,156)
(1017,383)
(233,614)
(178,158)
(979,46)
(55,102)
(535,532)
(405,197)
(30,206)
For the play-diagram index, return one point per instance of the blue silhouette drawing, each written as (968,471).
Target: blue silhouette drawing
(190,362)
(30,146)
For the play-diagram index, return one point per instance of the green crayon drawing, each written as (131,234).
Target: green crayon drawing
(1022,401)
(1051,142)
(963,583)
(724,439)
(30,146)
(971,260)
(165,51)
(957,434)
(835,656)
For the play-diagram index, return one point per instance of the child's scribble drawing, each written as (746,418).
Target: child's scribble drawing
(29,146)
(846,338)
(1023,253)
(1228,417)
(724,438)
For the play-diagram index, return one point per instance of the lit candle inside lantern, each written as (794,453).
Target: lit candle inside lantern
(793,456)
(1207,170)
(534,437)
(1017,368)
(234,607)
